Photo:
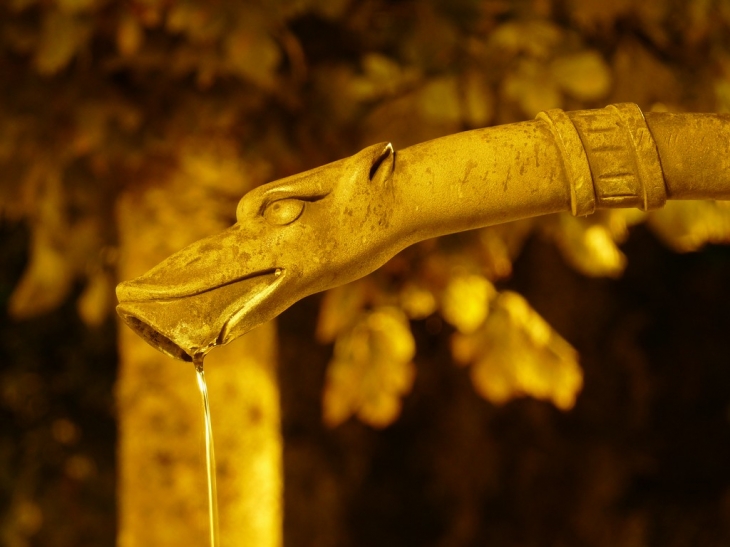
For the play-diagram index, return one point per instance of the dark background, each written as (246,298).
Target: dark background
(642,459)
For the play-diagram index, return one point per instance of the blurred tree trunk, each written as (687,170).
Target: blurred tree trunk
(161,459)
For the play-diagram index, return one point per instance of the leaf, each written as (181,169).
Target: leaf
(438,101)
(61,37)
(201,22)
(594,14)
(478,99)
(75,6)
(641,77)
(371,369)
(253,54)
(618,221)
(129,35)
(97,300)
(722,96)
(382,76)
(90,128)
(339,309)
(381,68)
(401,121)
(20,5)
(587,245)
(465,302)
(47,279)
(532,87)
(418,302)
(500,245)
(215,166)
(690,225)
(330,9)
(45,282)
(536,38)
(516,353)
(585,75)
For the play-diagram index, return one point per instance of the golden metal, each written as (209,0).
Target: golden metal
(331,225)
(161,484)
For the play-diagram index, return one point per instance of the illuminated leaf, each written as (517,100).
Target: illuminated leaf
(371,369)
(592,14)
(215,167)
(536,38)
(641,77)
(47,279)
(690,225)
(74,6)
(20,5)
(439,100)
(465,301)
(478,102)
(516,353)
(97,300)
(532,87)
(382,72)
(583,75)
(330,9)
(722,95)
(588,246)
(340,307)
(382,76)
(465,348)
(201,22)
(618,221)
(91,121)
(62,35)
(500,245)
(129,35)
(418,302)
(252,53)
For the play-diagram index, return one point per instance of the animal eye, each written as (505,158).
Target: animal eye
(284,211)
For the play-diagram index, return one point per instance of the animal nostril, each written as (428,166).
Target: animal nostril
(383,156)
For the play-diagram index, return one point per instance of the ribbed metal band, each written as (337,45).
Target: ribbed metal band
(649,168)
(610,158)
(622,155)
(575,161)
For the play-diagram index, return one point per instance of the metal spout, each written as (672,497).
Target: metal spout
(283,247)
(201,296)
(331,225)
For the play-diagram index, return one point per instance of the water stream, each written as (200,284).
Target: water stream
(209,453)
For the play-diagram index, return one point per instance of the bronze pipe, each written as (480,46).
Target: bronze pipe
(331,225)
(695,153)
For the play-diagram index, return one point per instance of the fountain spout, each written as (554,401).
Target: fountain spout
(331,225)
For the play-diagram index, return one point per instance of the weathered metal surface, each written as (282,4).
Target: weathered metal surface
(339,222)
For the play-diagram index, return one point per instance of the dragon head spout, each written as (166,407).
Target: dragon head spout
(293,237)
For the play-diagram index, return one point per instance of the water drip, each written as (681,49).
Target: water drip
(209,452)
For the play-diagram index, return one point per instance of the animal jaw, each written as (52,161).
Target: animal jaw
(219,288)
(183,326)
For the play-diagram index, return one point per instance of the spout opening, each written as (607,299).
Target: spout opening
(156,339)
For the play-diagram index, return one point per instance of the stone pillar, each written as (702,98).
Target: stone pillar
(161,458)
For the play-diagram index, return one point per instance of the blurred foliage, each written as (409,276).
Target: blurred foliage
(57,427)
(107,95)
(103,97)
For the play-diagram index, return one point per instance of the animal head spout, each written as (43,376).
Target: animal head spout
(293,237)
